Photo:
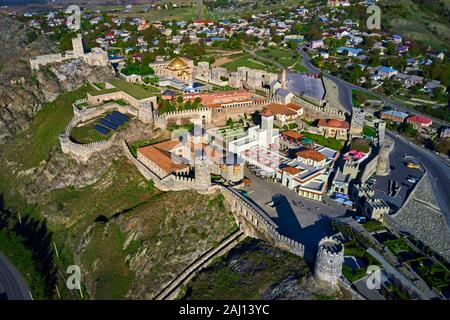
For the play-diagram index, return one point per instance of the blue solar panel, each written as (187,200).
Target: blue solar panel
(108,124)
(119,122)
(119,114)
(101,129)
(118,118)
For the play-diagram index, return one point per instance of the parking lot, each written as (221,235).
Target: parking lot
(396,186)
(298,218)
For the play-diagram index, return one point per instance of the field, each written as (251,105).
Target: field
(361,145)
(359,98)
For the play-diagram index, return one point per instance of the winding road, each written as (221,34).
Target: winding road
(12,285)
(345,90)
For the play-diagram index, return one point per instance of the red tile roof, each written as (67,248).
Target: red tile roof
(292,134)
(311,154)
(334,123)
(420,119)
(159,154)
(291,170)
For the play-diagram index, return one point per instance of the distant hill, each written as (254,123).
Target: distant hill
(425,21)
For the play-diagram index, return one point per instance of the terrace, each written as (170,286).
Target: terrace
(138,92)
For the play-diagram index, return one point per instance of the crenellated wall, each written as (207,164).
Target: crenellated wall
(201,114)
(83,152)
(314,112)
(256,223)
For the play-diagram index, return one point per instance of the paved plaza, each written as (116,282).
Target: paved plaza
(299,218)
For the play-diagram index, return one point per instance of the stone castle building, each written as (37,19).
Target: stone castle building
(97,57)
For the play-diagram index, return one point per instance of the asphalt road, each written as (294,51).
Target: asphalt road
(11,282)
(438,170)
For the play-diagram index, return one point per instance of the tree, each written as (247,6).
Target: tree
(391,49)
(292,45)
(374,58)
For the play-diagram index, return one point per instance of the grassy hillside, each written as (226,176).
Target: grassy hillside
(425,21)
(127,237)
(254,270)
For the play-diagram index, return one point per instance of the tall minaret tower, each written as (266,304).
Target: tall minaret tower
(267,124)
(199,9)
(283,79)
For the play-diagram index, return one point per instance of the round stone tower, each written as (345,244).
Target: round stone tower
(329,260)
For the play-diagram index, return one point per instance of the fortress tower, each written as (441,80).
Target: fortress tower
(383,157)
(202,175)
(77,45)
(330,257)
(145,109)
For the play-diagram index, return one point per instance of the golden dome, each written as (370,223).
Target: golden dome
(177,63)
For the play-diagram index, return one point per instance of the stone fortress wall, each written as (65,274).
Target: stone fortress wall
(255,223)
(97,57)
(82,152)
(313,111)
(201,115)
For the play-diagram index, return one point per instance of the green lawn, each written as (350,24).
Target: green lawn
(369,131)
(326,142)
(283,56)
(87,134)
(373,225)
(137,91)
(435,275)
(103,91)
(351,275)
(398,245)
(250,62)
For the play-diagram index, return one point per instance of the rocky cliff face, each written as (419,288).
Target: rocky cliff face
(23,92)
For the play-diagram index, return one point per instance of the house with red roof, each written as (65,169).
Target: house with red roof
(420,121)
